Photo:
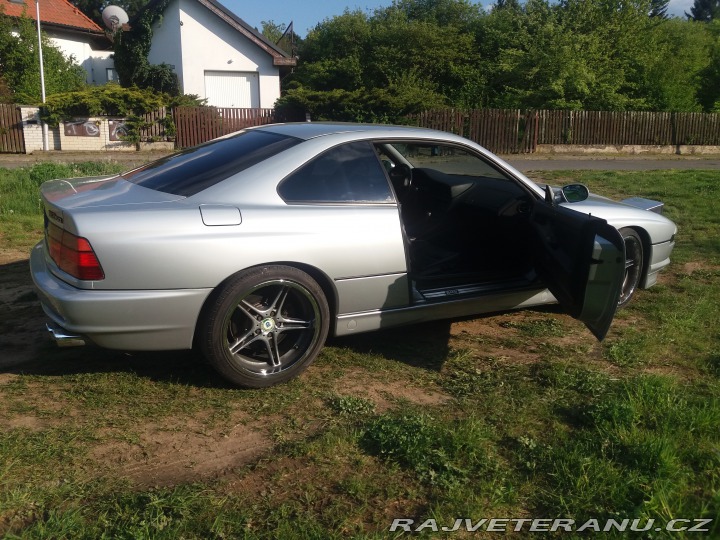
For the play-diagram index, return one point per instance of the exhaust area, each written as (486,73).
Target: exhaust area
(63,338)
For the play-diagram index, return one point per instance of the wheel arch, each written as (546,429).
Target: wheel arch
(647,251)
(323,280)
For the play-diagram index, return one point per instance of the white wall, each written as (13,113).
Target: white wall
(206,43)
(93,62)
(166,46)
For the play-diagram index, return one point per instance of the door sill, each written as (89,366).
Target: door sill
(441,294)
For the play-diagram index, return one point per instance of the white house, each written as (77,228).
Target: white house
(217,55)
(72,32)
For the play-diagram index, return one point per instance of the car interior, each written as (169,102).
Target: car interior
(466,223)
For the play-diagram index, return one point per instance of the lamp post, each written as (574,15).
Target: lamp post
(42,70)
(42,74)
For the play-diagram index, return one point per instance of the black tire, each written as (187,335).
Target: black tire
(633,265)
(264,326)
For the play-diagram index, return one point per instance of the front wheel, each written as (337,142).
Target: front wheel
(264,326)
(633,265)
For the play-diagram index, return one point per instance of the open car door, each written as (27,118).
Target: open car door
(582,261)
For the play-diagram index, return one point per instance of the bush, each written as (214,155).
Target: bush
(108,100)
(378,105)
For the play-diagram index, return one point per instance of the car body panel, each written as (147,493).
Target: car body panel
(449,307)
(345,242)
(126,319)
(582,260)
(356,295)
(164,254)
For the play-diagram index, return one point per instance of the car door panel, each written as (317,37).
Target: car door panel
(581,259)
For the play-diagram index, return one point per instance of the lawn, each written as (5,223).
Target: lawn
(516,415)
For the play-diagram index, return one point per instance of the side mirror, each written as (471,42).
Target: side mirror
(575,193)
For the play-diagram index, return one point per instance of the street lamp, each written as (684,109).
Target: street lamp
(42,70)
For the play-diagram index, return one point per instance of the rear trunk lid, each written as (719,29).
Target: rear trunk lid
(62,196)
(73,207)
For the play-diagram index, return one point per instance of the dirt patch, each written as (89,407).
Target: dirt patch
(31,423)
(385,394)
(505,337)
(9,255)
(22,321)
(166,454)
(697,267)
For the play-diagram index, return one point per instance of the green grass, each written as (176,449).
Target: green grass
(20,205)
(690,197)
(536,418)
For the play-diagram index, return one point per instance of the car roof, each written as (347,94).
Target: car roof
(311,130)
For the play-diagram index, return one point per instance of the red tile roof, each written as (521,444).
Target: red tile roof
(54,12)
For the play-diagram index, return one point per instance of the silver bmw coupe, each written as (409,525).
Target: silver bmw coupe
(255,246)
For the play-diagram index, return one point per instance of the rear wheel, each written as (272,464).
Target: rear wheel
(633,265)
(265,326)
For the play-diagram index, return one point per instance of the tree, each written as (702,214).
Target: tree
(458,13)
(576,54)
(571,54)
(94,8)
(281,35)
(20,63)
(272,30)
(333,53)
(132,48)
(673,70)
(658,8)
(709,91)
(704,10)
(400,59)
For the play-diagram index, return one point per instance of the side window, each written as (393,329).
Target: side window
(350,173)
(447,159)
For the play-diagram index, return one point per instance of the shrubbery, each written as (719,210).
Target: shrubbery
(114,100)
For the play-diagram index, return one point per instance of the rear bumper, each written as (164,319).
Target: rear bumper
(127,320)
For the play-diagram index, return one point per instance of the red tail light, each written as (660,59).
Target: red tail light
(73,254)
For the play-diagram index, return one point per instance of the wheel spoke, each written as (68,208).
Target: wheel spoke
(275,354)
(242,342)
(289,323)
(250,310)
(279,301)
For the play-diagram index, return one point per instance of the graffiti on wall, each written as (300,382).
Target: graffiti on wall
(82,128)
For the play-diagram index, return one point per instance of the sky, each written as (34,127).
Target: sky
(306,14)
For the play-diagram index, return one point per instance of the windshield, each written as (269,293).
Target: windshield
(194,169)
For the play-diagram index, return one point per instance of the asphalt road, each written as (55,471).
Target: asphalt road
(522,162)
(535,162)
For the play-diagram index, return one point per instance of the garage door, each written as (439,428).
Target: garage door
(232,89)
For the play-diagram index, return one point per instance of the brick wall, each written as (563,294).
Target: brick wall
(59,140)
(99,143)
(32,132)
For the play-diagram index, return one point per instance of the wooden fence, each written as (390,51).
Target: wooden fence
(504,131)
(196,125)
(628,128)
(156,130)
(513,131)
(499,130)
(11,131)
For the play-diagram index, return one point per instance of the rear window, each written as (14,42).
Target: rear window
(195,169)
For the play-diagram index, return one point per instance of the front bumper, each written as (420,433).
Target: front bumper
(127,320)
(660,258)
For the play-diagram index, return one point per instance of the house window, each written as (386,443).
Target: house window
(111,74)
